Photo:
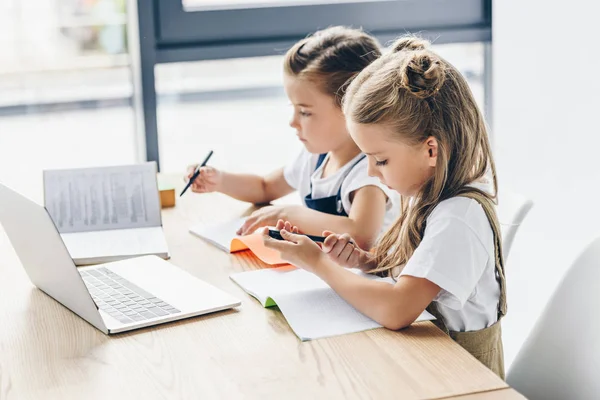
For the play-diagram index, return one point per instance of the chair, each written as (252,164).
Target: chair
(512,210)
(561,357)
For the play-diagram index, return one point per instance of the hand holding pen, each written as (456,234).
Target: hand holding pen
(207,179)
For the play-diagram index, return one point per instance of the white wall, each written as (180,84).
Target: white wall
(547,137)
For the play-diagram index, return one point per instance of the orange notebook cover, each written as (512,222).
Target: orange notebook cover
(224,237)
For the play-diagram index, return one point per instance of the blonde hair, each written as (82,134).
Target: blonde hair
(331,57)
(419,95)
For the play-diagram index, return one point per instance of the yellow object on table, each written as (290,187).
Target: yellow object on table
(167,196)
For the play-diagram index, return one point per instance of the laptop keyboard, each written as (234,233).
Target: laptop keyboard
(123,300)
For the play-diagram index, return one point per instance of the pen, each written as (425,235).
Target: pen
(196,173)
(275,234)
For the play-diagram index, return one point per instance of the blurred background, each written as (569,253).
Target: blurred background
(101,82)
(67,94)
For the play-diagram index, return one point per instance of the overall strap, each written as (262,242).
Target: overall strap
(490,212)
(320,160)
(338,198)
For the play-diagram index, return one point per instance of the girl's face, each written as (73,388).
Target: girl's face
(403,167)
(318,121)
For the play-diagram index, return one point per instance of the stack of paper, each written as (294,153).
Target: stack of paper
(106,214)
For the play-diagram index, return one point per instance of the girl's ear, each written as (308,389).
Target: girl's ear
(432,150)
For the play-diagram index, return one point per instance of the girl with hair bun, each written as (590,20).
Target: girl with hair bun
(414,116)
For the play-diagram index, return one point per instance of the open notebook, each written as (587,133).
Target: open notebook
(224,237)
(310,306)
(108,213)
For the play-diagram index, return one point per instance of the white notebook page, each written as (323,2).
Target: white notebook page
(313,310)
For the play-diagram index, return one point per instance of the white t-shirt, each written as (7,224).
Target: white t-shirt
(301,172)
(457,254)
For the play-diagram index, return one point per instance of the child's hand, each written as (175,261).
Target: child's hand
(296,249)
(343,251)
(266,216)
(208,181)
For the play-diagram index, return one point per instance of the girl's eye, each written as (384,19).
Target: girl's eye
(381,163)
(304,113)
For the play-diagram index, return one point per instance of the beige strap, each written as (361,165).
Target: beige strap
(490,212)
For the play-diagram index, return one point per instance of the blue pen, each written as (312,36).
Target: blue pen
(196,173)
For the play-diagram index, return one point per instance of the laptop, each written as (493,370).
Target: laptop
(113,297)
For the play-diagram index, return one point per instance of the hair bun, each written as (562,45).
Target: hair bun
(422,73)
(409,43)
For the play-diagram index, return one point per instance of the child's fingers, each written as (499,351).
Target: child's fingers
(204,176)
(338,248)
(197,185)
(252,228)
(292,237)
(346,253)
(328,233)
(347,238)
(190,171)
(279,245)
(329,243)
(287,225)
(354,258)
(207,171)
(245,227)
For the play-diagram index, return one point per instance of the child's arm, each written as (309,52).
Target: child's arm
(251,188)
(363,224)
(256,189)
(393,306)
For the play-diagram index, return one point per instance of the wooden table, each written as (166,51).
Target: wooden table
(48,352)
